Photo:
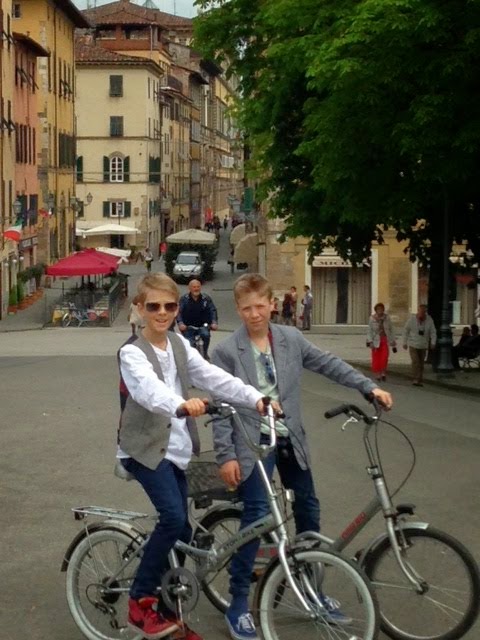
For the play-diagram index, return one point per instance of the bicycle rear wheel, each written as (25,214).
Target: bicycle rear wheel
(100,612)
(450,604)
(282,617)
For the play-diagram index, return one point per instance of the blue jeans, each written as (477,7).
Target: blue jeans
(204,332)
(306,508)
(166,487)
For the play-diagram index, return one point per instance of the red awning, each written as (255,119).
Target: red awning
(88,262)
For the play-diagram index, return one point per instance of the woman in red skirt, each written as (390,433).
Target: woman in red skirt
(380,337)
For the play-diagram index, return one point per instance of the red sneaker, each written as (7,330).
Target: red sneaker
(185,633)
(143,617)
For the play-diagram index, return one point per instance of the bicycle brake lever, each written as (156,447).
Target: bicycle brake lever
(350,419)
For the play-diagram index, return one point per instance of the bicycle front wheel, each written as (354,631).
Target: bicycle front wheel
(351,610)
(100,611)
(450,603)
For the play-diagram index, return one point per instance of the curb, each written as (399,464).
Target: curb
(452,386)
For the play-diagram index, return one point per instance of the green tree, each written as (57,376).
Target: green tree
(361,115)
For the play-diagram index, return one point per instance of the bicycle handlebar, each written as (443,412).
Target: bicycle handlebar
(227,411)
(353,410)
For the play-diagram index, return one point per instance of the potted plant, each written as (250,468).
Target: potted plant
(13,300)
(21,295)
(37,273)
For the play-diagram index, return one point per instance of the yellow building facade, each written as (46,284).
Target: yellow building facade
(8,248)
(52,24)
(118,151)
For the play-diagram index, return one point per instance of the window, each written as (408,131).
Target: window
(116,86)
(117,209)
(80,169)
(116,169)
(116,125)
(17,10)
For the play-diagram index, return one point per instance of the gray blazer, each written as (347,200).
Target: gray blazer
(292,353)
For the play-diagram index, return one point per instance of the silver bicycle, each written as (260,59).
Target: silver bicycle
(427,582)
(101,563)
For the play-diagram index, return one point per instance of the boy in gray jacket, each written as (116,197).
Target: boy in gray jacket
(271,358)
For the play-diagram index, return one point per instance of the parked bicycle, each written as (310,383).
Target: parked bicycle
(102,560)
(427,582)
(76,317)
(198,342)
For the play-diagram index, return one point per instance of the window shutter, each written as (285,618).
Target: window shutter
(127,209)
(106,209)
(126,169)
(116,86)
(150,168)
(106,169)
(80,169)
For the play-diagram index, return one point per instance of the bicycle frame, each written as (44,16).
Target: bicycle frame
(381,502)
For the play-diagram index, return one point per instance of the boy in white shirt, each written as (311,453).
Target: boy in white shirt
(155,446)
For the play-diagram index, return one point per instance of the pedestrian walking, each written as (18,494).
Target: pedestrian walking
(274,316)
(272,358)
(157,369)
(294,301)
(148,258)
(225,223)
(134,317)
(307,303)
(286,315)
(380,337)
(419,335)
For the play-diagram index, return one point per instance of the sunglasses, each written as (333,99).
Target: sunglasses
(269,372)
(154,307)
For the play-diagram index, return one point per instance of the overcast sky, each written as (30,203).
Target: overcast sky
(180,7)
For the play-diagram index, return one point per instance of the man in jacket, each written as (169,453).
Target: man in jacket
(197,310)
(271,358)
(419,335)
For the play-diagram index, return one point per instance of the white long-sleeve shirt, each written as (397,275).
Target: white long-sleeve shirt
(164,397)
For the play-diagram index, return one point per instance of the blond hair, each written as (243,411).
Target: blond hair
(159,282)
(252,283)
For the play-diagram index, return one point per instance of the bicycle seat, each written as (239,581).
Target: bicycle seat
(408,508)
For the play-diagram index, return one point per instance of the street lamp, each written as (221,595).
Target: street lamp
(445,339)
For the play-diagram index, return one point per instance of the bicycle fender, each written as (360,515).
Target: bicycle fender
(222,506)
(123,527)
(373,544)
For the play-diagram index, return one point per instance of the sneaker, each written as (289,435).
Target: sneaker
(185,633)
(333,613)
(144,618)
(242,627)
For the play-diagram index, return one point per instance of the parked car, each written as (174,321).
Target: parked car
(187,265)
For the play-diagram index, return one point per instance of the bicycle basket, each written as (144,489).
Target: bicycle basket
(204,480)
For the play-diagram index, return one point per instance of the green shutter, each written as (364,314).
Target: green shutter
(126,169)
(106,209)
(80,169)
(150,168)
(106,169)
(127,209)
(157,170)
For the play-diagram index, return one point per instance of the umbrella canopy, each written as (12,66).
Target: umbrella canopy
(191,236)
(237,234)
(88,262)
(246,250)
(108,230)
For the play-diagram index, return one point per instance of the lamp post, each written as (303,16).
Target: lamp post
(445,339)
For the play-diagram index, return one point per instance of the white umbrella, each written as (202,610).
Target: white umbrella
(191,236)
(109,230)
(246,250)
(237,234)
